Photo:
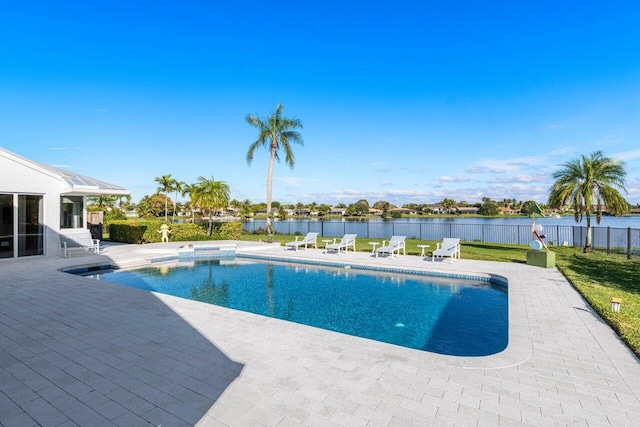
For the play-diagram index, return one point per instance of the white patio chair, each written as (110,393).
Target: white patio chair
(450,247)
(395,245)
(309,239)
(79,241)
(348,240)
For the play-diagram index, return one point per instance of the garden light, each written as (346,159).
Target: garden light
(615,304)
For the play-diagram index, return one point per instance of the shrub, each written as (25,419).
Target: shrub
(187,231)
(126,231)
(149,231)
(179,232)
(112,216)
(227,231)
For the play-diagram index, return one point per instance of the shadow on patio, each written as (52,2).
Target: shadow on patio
(94,352)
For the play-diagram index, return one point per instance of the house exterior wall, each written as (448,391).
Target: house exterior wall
(21,178)
(28,182)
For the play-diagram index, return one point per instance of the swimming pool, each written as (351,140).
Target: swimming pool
(450,316)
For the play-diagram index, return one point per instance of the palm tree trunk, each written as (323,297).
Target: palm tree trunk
(269,187)
(587,243)
(174,209)
(166,205)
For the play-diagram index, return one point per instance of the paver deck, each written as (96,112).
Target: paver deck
(75,351)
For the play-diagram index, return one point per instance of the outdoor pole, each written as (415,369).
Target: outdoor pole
(628,242)
(608,240)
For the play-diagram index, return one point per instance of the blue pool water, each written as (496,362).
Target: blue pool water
(444,315)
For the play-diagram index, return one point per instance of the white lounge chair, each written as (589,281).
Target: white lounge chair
(395,245)
(309,239)
(449,247)
(348,240)
(79,240)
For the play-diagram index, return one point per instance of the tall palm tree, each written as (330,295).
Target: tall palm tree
(176,186)
(274,132)
(191,190)
(165,182)
(590,185)
(210,196)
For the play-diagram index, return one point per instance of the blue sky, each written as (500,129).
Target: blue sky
(409,101)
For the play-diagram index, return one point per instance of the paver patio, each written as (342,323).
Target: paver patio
(75,351)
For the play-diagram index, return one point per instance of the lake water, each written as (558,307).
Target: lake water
(612,232)
(607,221)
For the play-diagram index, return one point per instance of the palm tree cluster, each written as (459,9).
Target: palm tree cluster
(208,195)
(589,186)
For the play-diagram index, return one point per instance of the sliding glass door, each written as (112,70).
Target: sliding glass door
(21,225)
(30,225)
(6,225)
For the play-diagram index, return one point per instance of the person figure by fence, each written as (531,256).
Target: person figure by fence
(165,231)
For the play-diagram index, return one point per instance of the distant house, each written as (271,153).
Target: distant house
(274,211)
(467,210)
(404,211)
(435,208)
(374,211)
(634,211)
(338,211)
(508,211)
(40,203)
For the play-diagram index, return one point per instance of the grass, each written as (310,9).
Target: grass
(596,276)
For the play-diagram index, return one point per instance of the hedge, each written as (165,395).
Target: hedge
(149,231)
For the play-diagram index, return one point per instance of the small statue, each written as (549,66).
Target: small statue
(165,231)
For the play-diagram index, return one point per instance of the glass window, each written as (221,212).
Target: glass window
(6,225)
(71,212)
(30,225)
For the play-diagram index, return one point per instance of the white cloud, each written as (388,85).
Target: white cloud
(555,126)
(607,142)
(454,179)
(563,151)
(521,178)
(627,155)
(290,180)
(477,170)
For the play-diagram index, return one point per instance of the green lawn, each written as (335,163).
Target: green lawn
(596,276)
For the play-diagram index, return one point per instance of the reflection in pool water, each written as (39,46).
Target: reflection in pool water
(444,315)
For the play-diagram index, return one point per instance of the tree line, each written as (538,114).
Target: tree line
(590,185)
